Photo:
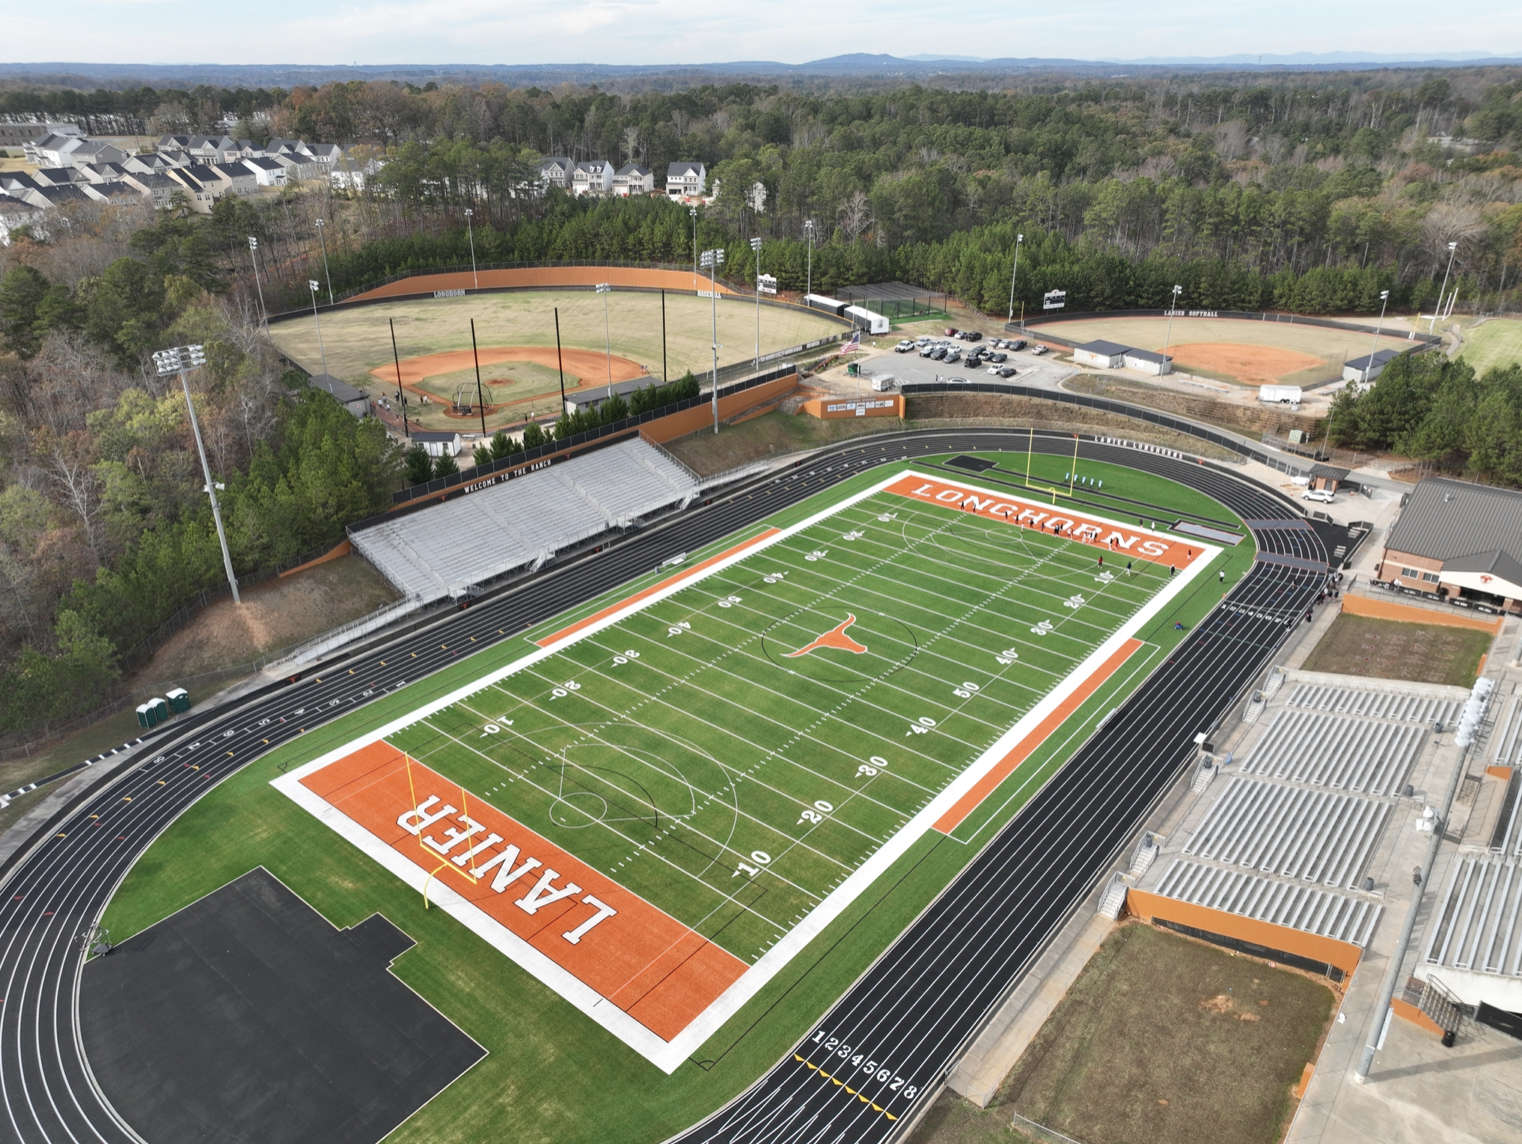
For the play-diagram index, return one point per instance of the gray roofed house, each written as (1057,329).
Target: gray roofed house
(1459,540)
(267,172)
(160,188)
(57,177)
(632,179)
(45,197)
(555,171)
(15,213)
(686,179)
(238,179)
(354,400)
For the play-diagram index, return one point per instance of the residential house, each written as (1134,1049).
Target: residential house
(327,154)
(14,213)
(268,172)
(202,183)
(686,180)
(237,177)
(556,172)
(632,179)
(48,150)
(57,177)
(44,197)
(213,148)
(160,189)
(592,177)
(350,173)
(299,166)
(99,173)
(83,151)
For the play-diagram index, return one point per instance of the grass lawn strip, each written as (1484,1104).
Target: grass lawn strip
(1394,649)
(550,1074)
(1167,1040)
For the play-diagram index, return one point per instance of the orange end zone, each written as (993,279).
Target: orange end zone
(1121,542)
(659,971)
(646,593)
(1006,766)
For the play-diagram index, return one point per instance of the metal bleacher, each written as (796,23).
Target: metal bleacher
(1341,916)
(1292,831)
(1375,704)
(1337,751)
(1475,926)
(520,523)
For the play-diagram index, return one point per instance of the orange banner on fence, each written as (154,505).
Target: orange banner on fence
(1121,541)
(658,970)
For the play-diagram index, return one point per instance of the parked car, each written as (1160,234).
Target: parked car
(903,347)
(1321,496)
(1038,350)
(927,351)
(999,357)
(951,331)
(993,369)
(938,354)
(1017,344)
(974,336)
(1007,371)
(954,353)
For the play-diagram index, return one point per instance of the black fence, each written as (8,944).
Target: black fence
(541,455)
(1499,1019)
(1424,340)
(1106,405)
(1253,949)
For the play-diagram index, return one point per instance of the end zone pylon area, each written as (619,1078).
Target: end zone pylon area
(641,959)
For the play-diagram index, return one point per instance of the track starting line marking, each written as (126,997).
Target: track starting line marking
(836,1080)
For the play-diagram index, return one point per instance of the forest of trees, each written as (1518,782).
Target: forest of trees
(1311,193)
(1434,408)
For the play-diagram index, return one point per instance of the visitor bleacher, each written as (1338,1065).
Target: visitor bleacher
(1341,916)
(520,523)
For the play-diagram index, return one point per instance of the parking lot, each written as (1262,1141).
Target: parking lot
(911,368)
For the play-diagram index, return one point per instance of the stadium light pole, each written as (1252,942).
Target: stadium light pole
(808,229)
(1452,249)
(325,272)
(1168,337)
(181,359)
(712,260)
(755,244)
(1019,238)
(470,232)
(604,289)
(253,256)
(401,398)
(314,286)
(1384,300)
(693,211)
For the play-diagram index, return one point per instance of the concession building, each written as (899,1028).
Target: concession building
(1459,542)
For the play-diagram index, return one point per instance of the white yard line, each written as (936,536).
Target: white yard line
(669,1055)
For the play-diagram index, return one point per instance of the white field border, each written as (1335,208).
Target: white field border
(668,1055)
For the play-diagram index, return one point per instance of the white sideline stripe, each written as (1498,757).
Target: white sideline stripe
(669,1055)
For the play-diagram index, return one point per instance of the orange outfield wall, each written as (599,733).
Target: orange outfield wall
(542,278)
(1406,614)
(1344,955)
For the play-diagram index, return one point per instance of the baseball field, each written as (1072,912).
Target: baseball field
(515,334)
(1494,344)
(1233,349)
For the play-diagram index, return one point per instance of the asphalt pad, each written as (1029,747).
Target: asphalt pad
(247,1018)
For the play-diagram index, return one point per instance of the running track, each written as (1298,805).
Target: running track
(911,1014)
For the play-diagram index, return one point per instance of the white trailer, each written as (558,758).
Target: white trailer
(1279,394)
(828,305)
(868,320)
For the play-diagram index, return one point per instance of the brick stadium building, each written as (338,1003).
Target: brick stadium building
(1460,542)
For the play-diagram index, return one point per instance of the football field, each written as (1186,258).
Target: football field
(658,805)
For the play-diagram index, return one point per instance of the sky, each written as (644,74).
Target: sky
(711,31)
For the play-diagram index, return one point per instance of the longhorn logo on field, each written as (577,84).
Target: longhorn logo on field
(836,638)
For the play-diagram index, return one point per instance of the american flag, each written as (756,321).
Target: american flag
(853,344)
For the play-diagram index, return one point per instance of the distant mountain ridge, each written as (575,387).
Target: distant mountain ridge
(863,65)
